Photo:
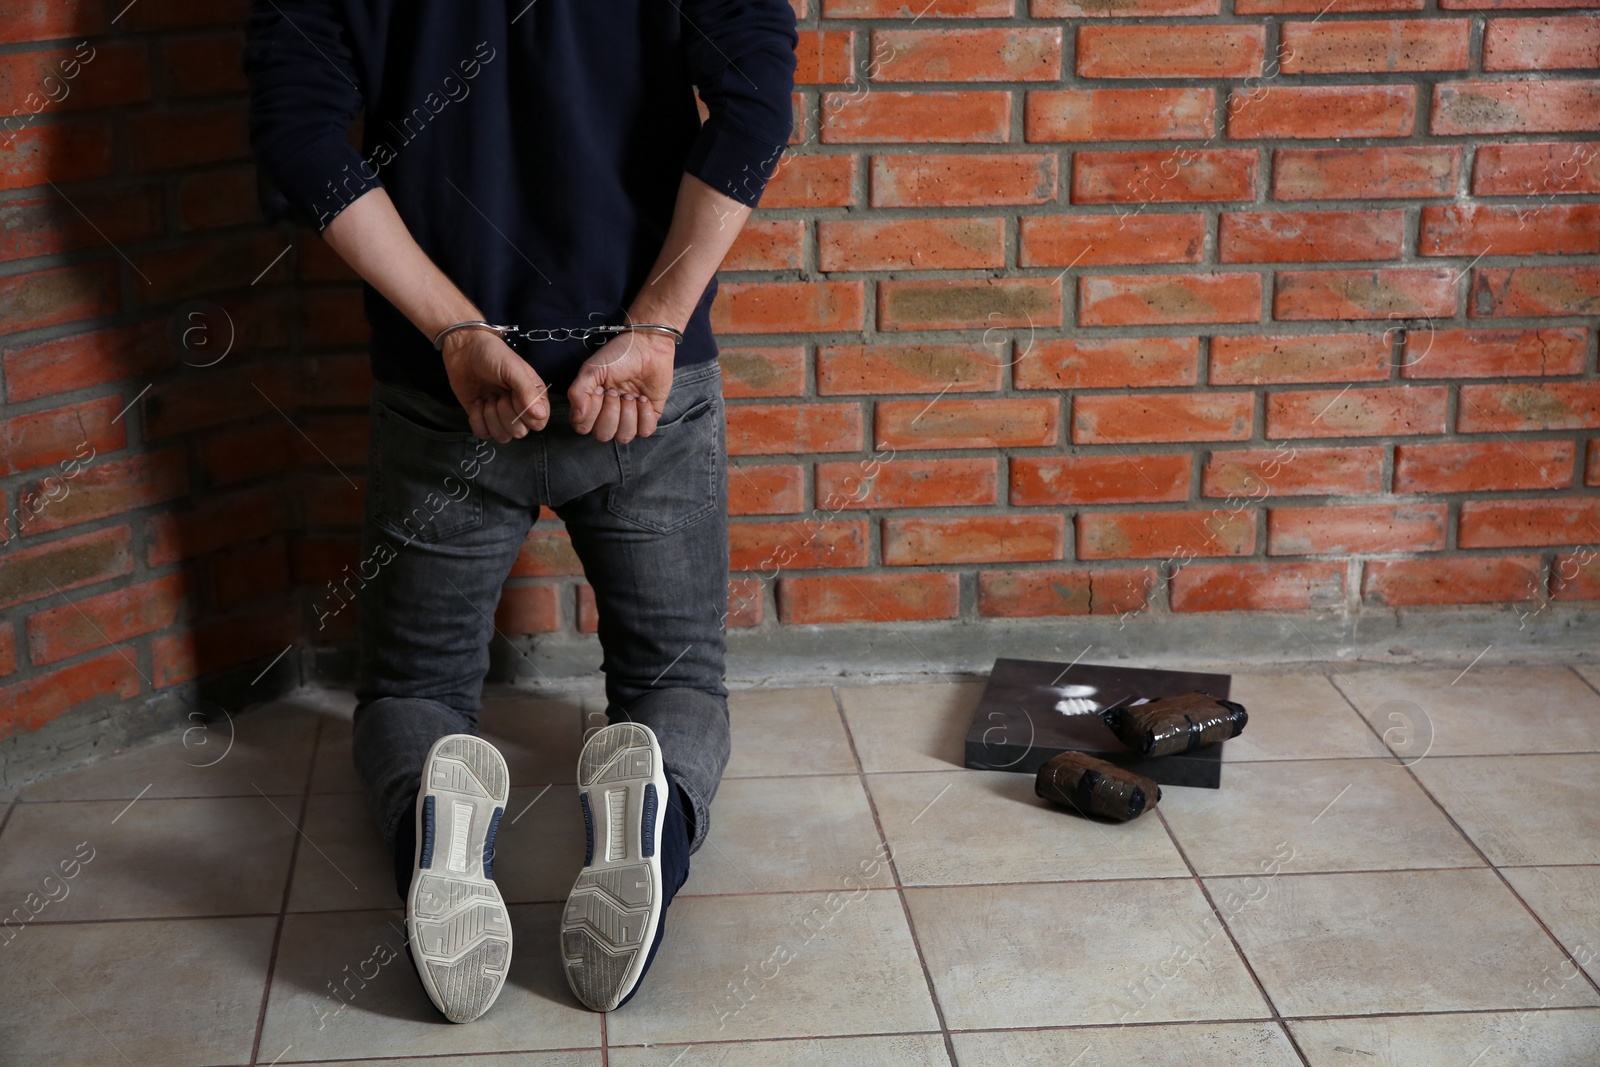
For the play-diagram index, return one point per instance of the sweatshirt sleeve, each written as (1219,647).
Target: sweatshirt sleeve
(742,60)
(304,90)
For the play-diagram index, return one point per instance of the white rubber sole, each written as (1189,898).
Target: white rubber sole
(456,922)
(615,906)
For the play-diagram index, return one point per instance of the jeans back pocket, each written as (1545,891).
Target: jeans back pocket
(671,478)
(423,480)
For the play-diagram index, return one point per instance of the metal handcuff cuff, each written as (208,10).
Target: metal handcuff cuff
(557,334)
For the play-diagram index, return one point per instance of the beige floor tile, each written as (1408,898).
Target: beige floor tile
(1329,815)
(806,965)
(915,727)
(1522,810)
(1486,710)
(564,1058)
(267,747)
(1416,941)
(1491,1039)
(344,987)
(334,771)
(901,1050)
(539,738)
(1297,716)
(174,993)
(1568,900)
(787,731)
(964,827)
(160,858)
(1590,673)
(772,834)
(1185,1044)
(1080,953)
(539,849)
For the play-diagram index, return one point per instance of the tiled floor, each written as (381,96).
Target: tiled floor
(1331,905)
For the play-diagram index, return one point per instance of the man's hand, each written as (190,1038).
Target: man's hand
(504,397)
(622,389)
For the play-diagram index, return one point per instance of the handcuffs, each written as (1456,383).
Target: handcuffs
(556,334)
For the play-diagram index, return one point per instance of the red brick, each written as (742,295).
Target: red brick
(42,226)
(962,180)
(866,369)
(1001,54)
(886,116)
(784,429)
(1591,471)
(1510,230)
(1309,236)
(1364,173)
(166,140)
(1317,7)
(823,57)
(67,563)
(766,489)
(1365,294)
(1467,580)
(910,244)
(330,500)
(29,704)
(1433,353)
(973,539)
(1100,479)
(1170,51)
(106,620)
(1530,406)
(767,244)
(546,553)
(222,643)
(1533,521)
(975,303)
(107,74)
(1509,5)
(1053,591)
(212,65)
(1109,418)
(65,294)
(1179,176)
(1166,534)
(72,436)
(218,521)
(181,14)
(333,317)
(1350,530)
(8,649)
(329,438)
(873,598)
(1315,111)
(329,559)
(915,9)
(1261,473)
(226,394)
(60,152)
(1378,46)
(908,483)
(811,181)
(1349,412)
(787,307)
(316,261)
(1071,240)
(745,602)
(1572,42)
(111,487)
(334,380)
(30,20)
(1108,363)
(209,264)
(1307,586)
(803,544)
(1550,167)
(250,573)
(1552,105)
(1117,115)
(1535,291)
(1483,466)
(945,423)
(1156,299)
(219,198)
(1089,9)
(1335,357)
(759,372)
(1575,575)
(528,609)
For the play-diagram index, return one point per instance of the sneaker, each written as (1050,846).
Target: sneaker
(636,858)
(456,922)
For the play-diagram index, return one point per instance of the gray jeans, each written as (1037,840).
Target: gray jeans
(446,514)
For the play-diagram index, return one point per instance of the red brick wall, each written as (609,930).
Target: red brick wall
(1055,308)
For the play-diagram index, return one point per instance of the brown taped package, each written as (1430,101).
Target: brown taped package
(1176,724)
(1095,787)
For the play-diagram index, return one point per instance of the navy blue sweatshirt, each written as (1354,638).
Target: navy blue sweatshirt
(534,148)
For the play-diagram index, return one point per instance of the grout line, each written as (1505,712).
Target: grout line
(605,1044)
(894,874)
(288,887)
(5,820)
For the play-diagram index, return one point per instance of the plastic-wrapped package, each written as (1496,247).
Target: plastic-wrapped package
(1095,787)
(1176,724)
